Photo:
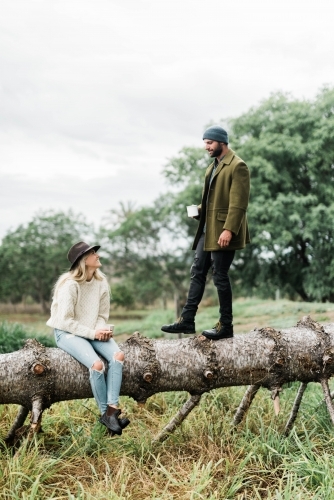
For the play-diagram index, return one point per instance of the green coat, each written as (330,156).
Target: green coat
(224,207)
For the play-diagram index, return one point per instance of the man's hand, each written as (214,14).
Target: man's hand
(103,335)
(225,238)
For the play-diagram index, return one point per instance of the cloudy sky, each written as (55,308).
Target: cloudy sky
(95,96)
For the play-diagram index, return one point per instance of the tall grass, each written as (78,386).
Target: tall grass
(206,458)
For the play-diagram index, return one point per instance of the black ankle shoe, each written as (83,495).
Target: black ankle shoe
(180,326)
(123,422)
(219,331)
(112,422)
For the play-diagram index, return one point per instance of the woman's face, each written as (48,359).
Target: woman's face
(93,260)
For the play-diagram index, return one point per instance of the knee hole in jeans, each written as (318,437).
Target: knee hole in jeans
(98,366)
(119,356)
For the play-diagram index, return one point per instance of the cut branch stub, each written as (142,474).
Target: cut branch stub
(275,393)
(208,374)
(148,377)
(36,415)
(38,368)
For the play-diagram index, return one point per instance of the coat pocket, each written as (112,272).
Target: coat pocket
(222,215)
(220,222)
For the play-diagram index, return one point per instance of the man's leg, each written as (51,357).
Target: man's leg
(221,262)
(198,274)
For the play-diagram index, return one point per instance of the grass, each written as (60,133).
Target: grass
(248,314)
(206,458)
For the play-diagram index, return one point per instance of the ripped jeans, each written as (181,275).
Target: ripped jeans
(105,389)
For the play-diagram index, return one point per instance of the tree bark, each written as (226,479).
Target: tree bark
(35,377)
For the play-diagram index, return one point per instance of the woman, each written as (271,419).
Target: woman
(79,311)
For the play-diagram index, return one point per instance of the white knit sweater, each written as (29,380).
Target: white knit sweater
(80,308)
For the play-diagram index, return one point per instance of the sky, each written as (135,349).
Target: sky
(96,96)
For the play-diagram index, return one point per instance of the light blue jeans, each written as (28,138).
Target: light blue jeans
(105,389)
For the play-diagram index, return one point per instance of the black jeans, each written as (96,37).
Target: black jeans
(220,261)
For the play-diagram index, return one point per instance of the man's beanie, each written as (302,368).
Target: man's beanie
(216,133)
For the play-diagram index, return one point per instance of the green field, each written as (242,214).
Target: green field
(206,458)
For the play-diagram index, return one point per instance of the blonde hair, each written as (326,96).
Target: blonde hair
(78,274)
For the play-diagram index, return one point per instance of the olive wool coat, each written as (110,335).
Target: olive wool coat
(224,205)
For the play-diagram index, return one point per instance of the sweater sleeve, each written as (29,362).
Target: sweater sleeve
(104,306)
(67,296)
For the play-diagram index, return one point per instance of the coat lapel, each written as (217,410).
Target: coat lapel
(225,161)
(208,176)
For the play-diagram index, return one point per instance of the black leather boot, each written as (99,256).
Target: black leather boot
(112,422)
(182,325)
(219,331)
(123,422)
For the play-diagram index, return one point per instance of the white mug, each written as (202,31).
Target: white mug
(192,210)
(111,328)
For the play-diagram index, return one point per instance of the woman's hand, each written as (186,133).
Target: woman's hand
(103,334)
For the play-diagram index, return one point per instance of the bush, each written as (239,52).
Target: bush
(14,335)
(122,296)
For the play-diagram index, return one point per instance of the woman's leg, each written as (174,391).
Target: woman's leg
(82,350)
(111,352)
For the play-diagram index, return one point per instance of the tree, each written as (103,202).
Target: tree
(34,255)
(39,376)
(288,145)
(141,255)
(122,296)
(185,174)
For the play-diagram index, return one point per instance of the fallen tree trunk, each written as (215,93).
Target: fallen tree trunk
(35,377)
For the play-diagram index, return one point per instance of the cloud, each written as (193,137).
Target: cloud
(100,94)
(22,197)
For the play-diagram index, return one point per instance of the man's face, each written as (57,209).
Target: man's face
(214,148)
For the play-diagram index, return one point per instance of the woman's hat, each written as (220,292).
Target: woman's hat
(78,250)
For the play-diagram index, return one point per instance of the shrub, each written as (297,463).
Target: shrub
(122,296)
(14,335)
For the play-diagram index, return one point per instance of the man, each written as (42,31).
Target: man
(222,230)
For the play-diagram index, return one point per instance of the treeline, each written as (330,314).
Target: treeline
(288,145)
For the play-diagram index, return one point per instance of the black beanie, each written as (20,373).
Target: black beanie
(216,133)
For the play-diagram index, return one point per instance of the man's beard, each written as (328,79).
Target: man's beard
(217,151)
